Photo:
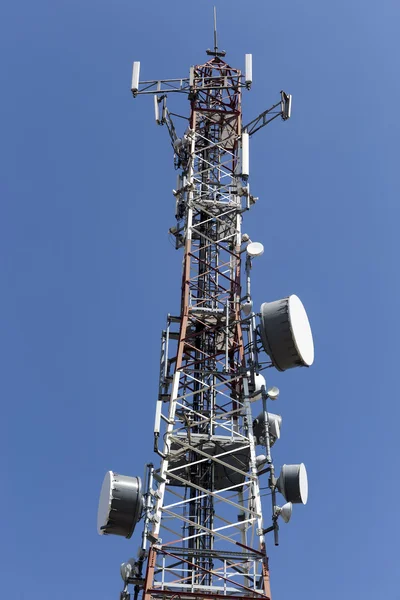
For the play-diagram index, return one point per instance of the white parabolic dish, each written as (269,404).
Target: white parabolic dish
(286,333)
(301,330)
(255,249)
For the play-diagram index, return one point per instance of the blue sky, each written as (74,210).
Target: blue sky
(88,275)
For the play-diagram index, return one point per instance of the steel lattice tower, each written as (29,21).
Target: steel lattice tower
(203,533)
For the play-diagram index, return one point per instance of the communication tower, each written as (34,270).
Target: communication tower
(204,528)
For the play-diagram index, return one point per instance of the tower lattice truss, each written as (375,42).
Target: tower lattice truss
(203,530)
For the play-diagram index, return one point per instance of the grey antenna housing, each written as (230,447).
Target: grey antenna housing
(255,388)
(286,333)
(274,422)
(293,483)
(120,505)
(129,570)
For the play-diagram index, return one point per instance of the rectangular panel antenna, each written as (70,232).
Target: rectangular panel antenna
(248,70)
(286,105)
(245,155)
(135,76)
(289,106)
(156,110)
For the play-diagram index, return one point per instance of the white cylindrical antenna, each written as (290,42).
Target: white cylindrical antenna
(191,77)
(245,155)
(248,71)
(156,109)
(135,77)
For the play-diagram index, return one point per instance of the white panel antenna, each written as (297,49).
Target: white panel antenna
(286,105)
(248,70)
(156,110)
(135,77)
(245,155)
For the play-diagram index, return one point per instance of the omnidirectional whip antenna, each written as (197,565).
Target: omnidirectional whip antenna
(215,30)
(215,52)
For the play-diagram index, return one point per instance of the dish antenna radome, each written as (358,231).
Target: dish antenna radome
(293,483)
(286,333)
(274,428)
(284,511)
(247,307)
(129,570)
(120,505)
(255,249)
(259,383)
(273,393)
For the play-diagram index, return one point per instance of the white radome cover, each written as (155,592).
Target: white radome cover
(301,330)
(255,249)
(303,483)
(105,499)
(259,381)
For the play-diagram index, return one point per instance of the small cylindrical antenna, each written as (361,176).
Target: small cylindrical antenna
(156,110)
(245,155)
(135,77)
(248,70)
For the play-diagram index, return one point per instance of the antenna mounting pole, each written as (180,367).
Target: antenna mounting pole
(215,52)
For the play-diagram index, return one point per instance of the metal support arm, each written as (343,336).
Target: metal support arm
(269,115)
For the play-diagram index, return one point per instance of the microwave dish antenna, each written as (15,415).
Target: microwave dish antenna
(293,483)
(120,505)
(255,249)
(286,333)
(285,511)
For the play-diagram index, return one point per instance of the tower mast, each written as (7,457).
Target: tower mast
(203,528)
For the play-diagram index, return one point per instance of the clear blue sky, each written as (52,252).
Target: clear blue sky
(88,274)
